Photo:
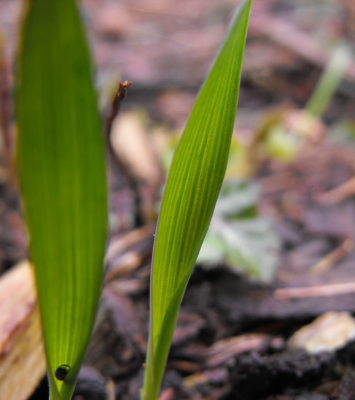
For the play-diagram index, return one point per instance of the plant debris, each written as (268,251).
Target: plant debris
(233,335)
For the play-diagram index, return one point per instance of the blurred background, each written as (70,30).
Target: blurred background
(280,249)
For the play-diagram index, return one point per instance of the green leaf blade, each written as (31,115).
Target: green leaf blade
(61,166)
(191,191)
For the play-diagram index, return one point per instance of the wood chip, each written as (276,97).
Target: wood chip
(22,359)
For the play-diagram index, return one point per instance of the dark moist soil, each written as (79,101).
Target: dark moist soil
(230,341)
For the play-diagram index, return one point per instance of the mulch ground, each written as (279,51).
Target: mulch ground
(232,333)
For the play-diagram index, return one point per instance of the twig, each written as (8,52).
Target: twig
(330,259)
(337,194)
(119,97)
(315,291)
(5,99)
(225,349)
(118,245)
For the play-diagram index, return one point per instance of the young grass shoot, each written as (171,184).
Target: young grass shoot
(61,165)
(62,176)
(190,195)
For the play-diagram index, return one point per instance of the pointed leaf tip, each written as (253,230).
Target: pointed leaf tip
(190,194)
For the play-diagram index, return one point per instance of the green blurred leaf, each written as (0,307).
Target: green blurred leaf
(190,195)
(236,197)
(62,175)
(239,236)
(336,67)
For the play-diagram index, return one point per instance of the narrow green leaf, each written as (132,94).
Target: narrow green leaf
(335,69)
(191,191)
(62,176)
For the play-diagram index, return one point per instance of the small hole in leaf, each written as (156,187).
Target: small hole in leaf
(61,372)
